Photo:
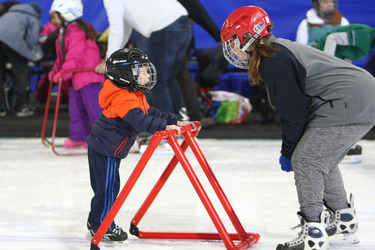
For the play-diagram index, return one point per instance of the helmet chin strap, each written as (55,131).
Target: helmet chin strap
(251,52)
(253,38)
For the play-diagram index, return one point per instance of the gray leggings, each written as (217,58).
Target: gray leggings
(315,163)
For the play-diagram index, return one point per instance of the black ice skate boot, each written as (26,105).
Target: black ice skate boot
(117,234)
(313,236)
(342,222)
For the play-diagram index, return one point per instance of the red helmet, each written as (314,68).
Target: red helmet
(248,21)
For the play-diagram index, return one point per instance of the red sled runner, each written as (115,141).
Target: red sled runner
(189,132)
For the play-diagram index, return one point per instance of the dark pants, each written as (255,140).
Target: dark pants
(20,71)
(166,49)
(105,182)
(189,90)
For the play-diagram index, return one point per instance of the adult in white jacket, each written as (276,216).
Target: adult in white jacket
(161,28)
(319,20)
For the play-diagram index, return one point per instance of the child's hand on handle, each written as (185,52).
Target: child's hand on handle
(183,123)
(100,68)
(179,125)
(169,127)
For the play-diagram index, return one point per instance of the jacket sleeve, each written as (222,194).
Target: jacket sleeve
(119,29)
(171,118)
(199,14)
(33,32)
(143,122)
(284,78)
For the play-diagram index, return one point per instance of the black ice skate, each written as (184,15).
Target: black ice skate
(313,236)
(343,223)
(117,234)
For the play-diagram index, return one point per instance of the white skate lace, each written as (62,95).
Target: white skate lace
(300,238)
(295,227)
(331,219)
(117,230)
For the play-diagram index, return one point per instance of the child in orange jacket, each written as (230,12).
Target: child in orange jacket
(126,113)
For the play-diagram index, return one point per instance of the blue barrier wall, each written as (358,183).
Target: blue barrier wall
(286,15)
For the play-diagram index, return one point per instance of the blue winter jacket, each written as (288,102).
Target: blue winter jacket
(125,115)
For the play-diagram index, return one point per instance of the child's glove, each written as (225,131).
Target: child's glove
(58,75)
(286,164)
(51,74)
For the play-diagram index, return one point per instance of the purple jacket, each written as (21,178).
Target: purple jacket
(80,53)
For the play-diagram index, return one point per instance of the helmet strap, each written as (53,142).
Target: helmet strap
(251,52)
(253,38)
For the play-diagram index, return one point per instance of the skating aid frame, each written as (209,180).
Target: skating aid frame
(189,132)
(51,142)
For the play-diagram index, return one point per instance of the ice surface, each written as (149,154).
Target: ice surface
(45,198)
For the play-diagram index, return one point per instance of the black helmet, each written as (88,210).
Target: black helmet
(131,69)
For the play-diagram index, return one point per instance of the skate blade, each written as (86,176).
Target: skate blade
(108,243)
(343,240)
(352,159)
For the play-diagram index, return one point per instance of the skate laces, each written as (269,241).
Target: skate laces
(331,218)
(301,235)
(117,230)
(295,227)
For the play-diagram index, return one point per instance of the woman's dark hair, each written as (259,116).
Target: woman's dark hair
(87,28)
(261,49)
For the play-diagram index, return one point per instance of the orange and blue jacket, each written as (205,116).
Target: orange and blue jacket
(125,115)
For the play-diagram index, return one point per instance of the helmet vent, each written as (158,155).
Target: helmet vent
(244,17)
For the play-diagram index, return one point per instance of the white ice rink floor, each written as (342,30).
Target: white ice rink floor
(45,198)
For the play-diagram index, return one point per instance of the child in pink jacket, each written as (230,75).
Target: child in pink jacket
(53,24)
(76,49)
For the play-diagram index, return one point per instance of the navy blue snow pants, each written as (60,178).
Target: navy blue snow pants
(105,182)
